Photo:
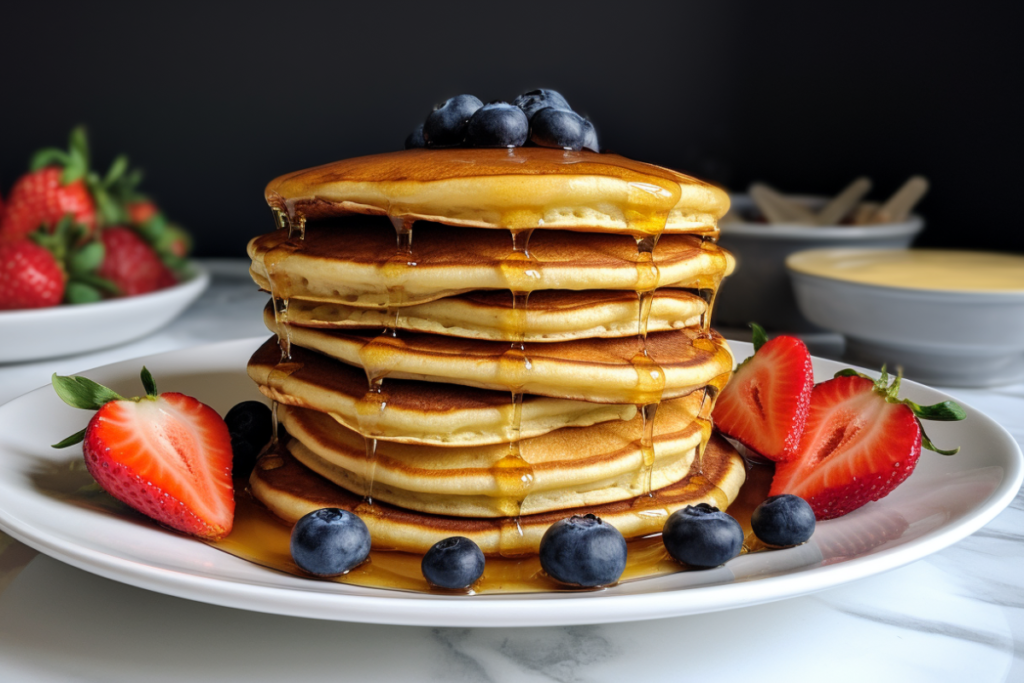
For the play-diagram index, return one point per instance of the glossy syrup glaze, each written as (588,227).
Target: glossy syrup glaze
(650,196)
(261,537)
(497,188)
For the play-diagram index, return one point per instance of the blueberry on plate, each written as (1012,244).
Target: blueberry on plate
(702,536)
(783,520)
(535,100)
(250,425)
(415,139)
(446,125)
(583,551)
(329,542)
(498,124)
(455,562)
(562,129)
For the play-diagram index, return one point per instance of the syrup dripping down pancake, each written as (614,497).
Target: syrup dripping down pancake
(568,468)
(551,315)
(355,263)
(594,370)
(291,490)
(515,189)
(431,413)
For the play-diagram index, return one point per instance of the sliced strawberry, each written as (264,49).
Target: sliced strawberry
(764,406)
(167,456)
(860,442)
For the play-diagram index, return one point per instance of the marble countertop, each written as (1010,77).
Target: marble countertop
(957,615)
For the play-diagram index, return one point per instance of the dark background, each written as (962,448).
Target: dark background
(214,101)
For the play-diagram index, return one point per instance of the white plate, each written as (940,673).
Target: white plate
(946,499)
(64,330)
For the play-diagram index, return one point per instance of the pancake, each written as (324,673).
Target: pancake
(551,315)
(566,468)
(594,370)
(506,188)
(431,413)
(290,490)
(355,263)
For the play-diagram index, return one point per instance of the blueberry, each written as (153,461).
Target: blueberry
(535,100)
(329,542)
(563,129)
(446,125)
(783,520)
(583,551)
(415,139)
(702,536)
(250,426)
(498,124)
(455,562)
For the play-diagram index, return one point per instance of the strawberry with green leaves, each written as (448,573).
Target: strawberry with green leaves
(764,405)
(860,442)
(54,187)
(131,264)
(46,269)
(166,455)
(60,183)
(30,276)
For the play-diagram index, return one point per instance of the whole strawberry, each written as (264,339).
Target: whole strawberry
(132,264)
(54,187)
(860,442)
(166,455)
(30,276)
(42,198)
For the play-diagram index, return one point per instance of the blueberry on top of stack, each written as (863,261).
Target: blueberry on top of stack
(539,117)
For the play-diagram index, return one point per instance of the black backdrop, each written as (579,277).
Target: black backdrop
(215,100)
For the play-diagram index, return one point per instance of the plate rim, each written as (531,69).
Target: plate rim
(503,610)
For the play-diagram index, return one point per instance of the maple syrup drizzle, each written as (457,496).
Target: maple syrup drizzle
(280,290)
(513,475)
(375,354)
(650,376)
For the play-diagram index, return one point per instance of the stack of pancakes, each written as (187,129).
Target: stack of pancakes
(480,342)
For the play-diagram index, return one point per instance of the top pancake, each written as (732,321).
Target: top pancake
(514,189)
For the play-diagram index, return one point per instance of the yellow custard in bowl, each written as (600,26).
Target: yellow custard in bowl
(929,269)
(951,318)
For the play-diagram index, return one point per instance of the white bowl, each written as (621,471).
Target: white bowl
(40,333)
(759,291)
(948,338)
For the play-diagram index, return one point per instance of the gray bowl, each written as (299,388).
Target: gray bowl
(948,338)
(760,290)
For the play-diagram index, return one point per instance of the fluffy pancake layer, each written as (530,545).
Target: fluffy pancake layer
(291,490)
(596,370)
(498,188)
(431,413)
(567,468)
(550,315)
(355,263)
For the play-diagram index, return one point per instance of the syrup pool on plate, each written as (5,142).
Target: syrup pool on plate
(261,537)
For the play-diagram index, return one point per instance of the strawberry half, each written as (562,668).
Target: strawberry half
(861,442)
(764,405)
(166,455)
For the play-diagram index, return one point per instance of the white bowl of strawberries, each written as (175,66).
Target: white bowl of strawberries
(85,261)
